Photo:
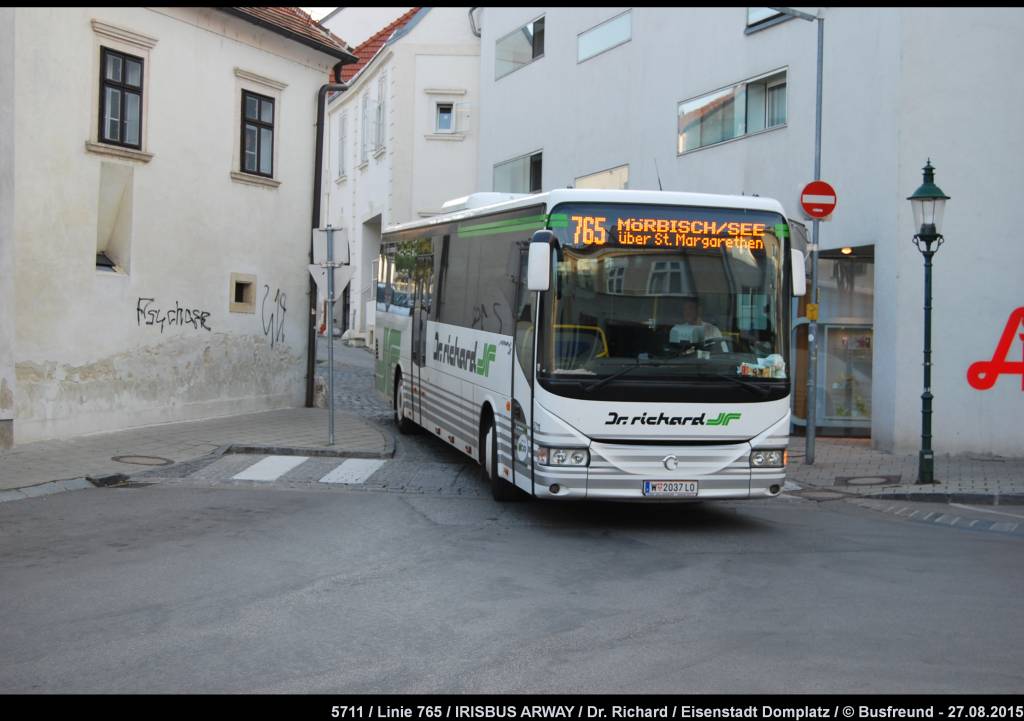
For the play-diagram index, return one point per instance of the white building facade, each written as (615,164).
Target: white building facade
(719,100)
(161,214)
(402,140)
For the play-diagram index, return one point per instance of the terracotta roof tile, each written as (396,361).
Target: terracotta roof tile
(295,23)
(372,45)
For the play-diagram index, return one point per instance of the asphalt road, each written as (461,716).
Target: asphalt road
(203,587)
(200,583)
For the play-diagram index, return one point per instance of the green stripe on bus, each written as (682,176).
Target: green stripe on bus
(500,224)
(532,225)
(558,220)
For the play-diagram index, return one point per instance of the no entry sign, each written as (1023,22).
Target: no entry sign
(818,199)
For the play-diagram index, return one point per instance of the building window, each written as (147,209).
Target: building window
(519,175)
(747,107)
(611,179)
(380,126)
(605,36)
(668,277)
(756,16)
(342,121)
(520,47)
(120,99)
(364,135)
(445,118)
(615,274)
(257,134)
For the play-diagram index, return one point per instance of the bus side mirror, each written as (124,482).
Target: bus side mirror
(538,266)
(799,272)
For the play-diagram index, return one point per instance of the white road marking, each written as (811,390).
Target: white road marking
(353,471)
(1004,526)
(270,468)
(790,486)
(985,510)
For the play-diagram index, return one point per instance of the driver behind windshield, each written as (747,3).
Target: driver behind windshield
(693,329)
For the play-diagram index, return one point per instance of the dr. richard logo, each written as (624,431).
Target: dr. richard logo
(722,419)
(462,357)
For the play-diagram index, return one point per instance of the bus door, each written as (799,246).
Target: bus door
(423,301)
(522,378)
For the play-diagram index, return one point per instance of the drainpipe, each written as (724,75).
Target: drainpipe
(472,21)
(321,104)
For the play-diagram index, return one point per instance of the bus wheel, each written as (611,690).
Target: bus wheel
(405,426)
(502,490)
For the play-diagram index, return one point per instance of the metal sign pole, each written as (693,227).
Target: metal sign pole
(812,330)
(330,327)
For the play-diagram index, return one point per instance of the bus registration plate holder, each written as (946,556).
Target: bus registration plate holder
(670,488)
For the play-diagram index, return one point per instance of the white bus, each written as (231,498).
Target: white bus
(600,344)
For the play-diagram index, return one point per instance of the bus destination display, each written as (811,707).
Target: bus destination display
(592,230)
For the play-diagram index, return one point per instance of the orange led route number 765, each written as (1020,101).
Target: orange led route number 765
(589,230)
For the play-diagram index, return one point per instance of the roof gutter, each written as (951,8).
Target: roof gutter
(321,105)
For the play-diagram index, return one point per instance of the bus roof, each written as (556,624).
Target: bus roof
(553,198)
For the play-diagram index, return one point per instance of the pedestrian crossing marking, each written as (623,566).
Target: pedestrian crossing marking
(353,471)
(270,468)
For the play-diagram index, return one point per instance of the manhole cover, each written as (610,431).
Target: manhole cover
(822,495)
(867,480)
(143,460)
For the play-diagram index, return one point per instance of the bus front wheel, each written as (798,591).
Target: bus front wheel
(502,490)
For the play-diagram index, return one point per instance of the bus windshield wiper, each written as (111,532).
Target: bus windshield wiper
(746,384)
(617,374)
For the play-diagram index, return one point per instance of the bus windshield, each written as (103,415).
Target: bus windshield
(665,292)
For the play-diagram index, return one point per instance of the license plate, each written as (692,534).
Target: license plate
(670,488)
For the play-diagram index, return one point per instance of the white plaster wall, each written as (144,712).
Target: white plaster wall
(356,24)
(84,361)
(7,315)
(413,175)
(899,85)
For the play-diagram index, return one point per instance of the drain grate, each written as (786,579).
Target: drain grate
(143,460)
(868,480)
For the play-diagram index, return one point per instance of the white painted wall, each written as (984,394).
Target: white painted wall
(356,24)
(900,85)
(417,170)
(7,149)
(86,361)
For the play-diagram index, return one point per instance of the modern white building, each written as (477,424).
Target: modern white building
(155,217)
(402,140)
(723,100)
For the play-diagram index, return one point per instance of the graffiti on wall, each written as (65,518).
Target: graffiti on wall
(272,317)
(984,374)
(147,312)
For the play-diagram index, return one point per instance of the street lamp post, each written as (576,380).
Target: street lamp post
(928,202)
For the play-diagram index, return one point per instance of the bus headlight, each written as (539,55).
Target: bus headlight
(768,459)
(562,456)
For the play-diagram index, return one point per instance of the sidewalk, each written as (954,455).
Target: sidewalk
(293,431)
(850,466)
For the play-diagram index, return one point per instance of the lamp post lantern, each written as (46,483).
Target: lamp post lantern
(928,203)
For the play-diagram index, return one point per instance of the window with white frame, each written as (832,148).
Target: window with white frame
(520,47)
(364,130)
(748,107)
(444,118)
(519,175)
(379,123)
(342,122)
(611,179)
(605,36)
(669,277)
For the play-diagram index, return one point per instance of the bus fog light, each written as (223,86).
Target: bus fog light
(562,456)
(554,488)
(767,459)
